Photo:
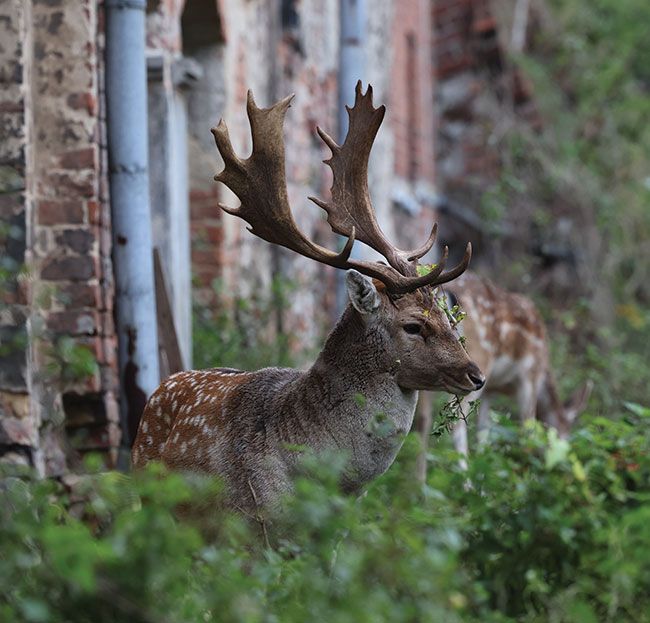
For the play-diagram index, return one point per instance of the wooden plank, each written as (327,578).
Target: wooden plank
(169,352)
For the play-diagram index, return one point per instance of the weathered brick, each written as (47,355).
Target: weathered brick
(112,407)
(88,101)
(201,195)
(79,159)
(200,210)
(209,256)
(60,212)
(76,295)
(94,212)
(79,240)
(205,275)
(9,107)
(109,350)
(14,404)
(211,233)
(74,185)
(74,322)
(78,268)
(107,324)
(21,432)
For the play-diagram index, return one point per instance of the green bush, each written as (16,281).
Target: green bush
(538,529)
(248,334)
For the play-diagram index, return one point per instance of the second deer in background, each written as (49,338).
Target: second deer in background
(506,336)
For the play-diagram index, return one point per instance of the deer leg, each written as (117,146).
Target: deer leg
(423,426)
(459,435)
(527,399)
(483,421)
(459,429)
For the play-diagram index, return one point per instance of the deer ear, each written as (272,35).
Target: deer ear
(361,292)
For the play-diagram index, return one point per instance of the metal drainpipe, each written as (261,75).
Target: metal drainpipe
(135,300)
(351,69)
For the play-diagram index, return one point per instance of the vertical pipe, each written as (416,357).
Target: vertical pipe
(352,66)
(135,302)
(351,69)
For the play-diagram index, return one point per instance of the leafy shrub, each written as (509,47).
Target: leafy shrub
(537,529)
(241,336)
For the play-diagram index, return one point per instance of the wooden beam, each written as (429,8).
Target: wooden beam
(169,352)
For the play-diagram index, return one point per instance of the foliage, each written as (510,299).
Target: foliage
(450,412)
(587,162)
(71,361)
(242,336)
(538,529)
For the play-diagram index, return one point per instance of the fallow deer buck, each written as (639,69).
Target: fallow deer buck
(391,341)
(507,338)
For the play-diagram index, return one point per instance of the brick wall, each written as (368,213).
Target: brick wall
(410,102)
(70,322)
(274,53)
(478,93)
(18,431)
(467,54)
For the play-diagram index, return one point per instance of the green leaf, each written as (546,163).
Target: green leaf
(637,409)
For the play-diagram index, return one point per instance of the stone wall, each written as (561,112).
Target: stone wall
(67,289)
(18,430)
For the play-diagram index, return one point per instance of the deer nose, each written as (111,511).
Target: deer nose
(477,378)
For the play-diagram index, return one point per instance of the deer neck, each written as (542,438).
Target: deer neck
(356,355)
(350,399)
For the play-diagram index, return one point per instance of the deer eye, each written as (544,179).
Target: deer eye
(412,328)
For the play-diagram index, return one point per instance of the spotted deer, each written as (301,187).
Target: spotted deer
(390,342)
(507,338)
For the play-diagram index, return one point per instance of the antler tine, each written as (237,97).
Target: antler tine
(459,270)
(426,247)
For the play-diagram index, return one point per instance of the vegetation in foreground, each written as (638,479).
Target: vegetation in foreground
(538,529)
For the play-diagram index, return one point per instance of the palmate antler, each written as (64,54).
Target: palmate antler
(260,184)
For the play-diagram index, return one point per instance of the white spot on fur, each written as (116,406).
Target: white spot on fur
(145,426)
